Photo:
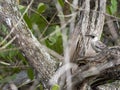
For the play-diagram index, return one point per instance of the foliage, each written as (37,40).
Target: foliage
(38,24)
(112,9)
(7,79)
(41,7)
(61,2)
(55,87)
(30,73)
(55,42)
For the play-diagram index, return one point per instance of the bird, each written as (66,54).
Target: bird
(96,44)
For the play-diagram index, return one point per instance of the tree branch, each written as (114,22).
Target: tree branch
(36,55)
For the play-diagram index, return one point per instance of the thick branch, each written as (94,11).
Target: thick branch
(38,58)
(104,66)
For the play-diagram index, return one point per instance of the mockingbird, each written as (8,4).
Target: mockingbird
(96,44)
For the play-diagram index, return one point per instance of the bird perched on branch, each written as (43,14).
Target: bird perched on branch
(96,44)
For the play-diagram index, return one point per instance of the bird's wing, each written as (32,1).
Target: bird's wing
(100,45)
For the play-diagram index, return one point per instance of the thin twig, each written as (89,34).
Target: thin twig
(39,14)
(47,25)
(8,43)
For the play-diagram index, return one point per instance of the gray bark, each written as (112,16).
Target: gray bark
(36,55)
(90,20)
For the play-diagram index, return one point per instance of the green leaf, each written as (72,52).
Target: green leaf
(28,21)
(4,29)
(57,46)
(39,87)
(1,77)
(30,73)
(108,10)
(21,8)
(113,6)
(39,21)
(58,32)
(50,30)
(41,7)
(12,53)
(52,40)
(21,57)
(114,2)
(55,87)
(7,79)
(61,2)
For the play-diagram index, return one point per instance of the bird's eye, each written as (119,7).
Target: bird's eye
(93,36)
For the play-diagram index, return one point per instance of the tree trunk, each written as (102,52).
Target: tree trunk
(90,20)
